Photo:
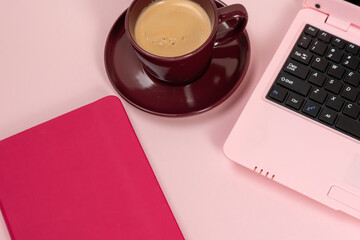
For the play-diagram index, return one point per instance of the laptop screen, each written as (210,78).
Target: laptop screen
(356,2)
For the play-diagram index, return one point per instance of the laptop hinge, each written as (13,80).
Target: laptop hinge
(336,22)
(343,15)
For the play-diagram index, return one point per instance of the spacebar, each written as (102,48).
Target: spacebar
(349,125)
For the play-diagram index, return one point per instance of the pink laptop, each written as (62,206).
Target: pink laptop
(301,126)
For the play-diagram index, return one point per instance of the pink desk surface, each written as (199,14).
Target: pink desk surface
(51,61)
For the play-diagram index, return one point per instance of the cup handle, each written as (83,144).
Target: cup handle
(236,18)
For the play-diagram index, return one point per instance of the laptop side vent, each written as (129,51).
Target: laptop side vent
(264,173)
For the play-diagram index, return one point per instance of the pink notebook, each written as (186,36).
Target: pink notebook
(82,175)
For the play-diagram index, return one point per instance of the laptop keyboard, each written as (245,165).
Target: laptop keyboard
(320,80)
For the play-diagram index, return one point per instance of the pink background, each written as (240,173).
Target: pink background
(51,61)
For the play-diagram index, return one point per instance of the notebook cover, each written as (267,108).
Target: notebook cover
(82,175)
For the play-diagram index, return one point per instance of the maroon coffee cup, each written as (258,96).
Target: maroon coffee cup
(186,68)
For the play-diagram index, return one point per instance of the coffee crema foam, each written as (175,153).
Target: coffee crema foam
(171,28)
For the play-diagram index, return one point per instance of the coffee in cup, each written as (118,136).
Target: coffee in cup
(187,63)
(171,28)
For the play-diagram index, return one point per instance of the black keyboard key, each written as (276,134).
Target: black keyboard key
(336,71)
(311,108)
(351,62)
(317,78)
(333,86)
(296,69)
(352,48)
(328,116)
(304,41)
(352,78)
(335,102)
(320,64)
(349,125)
(338,42)
(318,48)
(295,84)
(319,95)
(350,93)
(278,93)
(334,54)
(301,55)
(324,36)
(312,31)
(352,110)
(294,101)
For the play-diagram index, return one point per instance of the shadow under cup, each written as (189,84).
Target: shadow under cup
(181,69)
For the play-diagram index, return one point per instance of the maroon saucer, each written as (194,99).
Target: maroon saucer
(225,73)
